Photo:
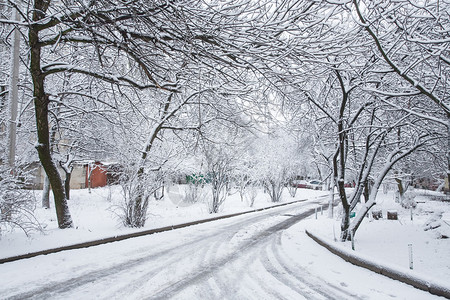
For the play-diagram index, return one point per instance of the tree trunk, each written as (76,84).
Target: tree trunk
(346,207)
(401,190)
(391,161)
(331,198)
(341,182)
(46,193)
(275,190)
(67,184)
(367,206)
(137,218)
(137,203)
(41,102)
(366,190)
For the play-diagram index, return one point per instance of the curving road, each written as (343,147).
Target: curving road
(238,258)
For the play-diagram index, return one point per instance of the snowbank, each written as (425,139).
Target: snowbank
(383,245)
(422,282)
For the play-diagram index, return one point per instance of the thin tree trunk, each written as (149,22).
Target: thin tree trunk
(331,199)
(46,187)
(366,190)
(41,102)
(46,193)
(391,161)
(401,190)
(346,207)
(89,180)
(333,179)
(341,183)
(67,184)
(343,144)
(67,168)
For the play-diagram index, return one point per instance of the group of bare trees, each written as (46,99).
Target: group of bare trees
(130,61)
(128,80)
(379,95)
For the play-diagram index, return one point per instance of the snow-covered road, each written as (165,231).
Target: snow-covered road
(246,257)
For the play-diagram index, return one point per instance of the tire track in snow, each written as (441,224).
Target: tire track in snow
(272,263)
(281,274)
(195,278)
(300,274)
(246,279)
(113,274)
(198,278)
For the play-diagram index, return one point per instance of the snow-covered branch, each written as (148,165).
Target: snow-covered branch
(58,67)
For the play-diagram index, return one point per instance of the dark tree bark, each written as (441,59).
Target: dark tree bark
(366,191)
(67,185)
(401,190)
(46,187)
(68,173)
(41,102)
(342,159)
(46,193)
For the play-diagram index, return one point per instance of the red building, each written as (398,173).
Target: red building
(96,172)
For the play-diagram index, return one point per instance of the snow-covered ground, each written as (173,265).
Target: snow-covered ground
(387,241)
(288,264)
(95,216)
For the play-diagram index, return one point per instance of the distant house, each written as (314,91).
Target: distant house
(96,172)
(99,173)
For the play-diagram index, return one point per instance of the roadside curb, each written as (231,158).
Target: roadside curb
(137,234)
(419,282)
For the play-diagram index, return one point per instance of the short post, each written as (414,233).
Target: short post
(321,210)
(353,240)
(411,210)
(334,234)
(410,256)
(315,211)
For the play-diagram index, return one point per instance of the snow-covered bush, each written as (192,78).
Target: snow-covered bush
(408,200)
(276,163)
(16,203)
(438,225)
(219,165)
(193,193)
(292,188)
(137,191)
(251,191)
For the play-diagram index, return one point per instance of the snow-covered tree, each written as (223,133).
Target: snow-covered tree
(412,40)
(123,50)
(277,161)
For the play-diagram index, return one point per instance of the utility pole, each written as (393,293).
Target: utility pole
(14,93)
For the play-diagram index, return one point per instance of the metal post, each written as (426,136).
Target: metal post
(321,210)
(334,233)
(410,256)
(411,209)
(315,211)
(353,240)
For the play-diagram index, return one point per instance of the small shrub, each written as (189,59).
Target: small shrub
(408,200)
(137,191)
(16,203)
(250,195)
(192,193)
